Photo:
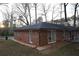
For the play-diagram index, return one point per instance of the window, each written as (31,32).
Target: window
(77,35)
(67,35)
(51,37)
(30,36)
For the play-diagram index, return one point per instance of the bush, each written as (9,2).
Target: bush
(6,33)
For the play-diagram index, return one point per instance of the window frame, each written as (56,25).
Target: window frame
(52,41)
(30,36)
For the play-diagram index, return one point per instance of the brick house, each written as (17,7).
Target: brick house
(42,34)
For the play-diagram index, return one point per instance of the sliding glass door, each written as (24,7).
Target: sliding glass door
(51,37)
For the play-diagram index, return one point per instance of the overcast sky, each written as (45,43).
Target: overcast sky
(49,16)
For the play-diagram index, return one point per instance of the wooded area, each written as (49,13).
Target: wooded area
(21,14)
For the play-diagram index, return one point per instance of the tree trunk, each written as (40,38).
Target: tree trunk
(65,12)
(75,14)
(46,17)
(35,12)
(53,13)
(60,10)
(26,20)
(29,13)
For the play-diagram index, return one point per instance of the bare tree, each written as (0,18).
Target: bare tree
(6,23)
(29,12)
(35,5)
(55,12)
(6,15)
(45,10)
(11,19)
(65,13)
(61,10)
(22,8)
(4,4)
(75,10)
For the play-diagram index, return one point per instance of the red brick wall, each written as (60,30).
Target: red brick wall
(39,38)
(17,36)
(59,36)
(35,37)
(43,38)
(23,36)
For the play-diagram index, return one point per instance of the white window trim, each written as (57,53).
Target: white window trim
(30,36)
(51,42)
(51,36)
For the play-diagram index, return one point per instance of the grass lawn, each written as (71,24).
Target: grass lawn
(71,49)
(11,48)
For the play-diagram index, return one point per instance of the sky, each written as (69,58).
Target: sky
(49,16)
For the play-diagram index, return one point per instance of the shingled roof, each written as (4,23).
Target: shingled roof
(43,25)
